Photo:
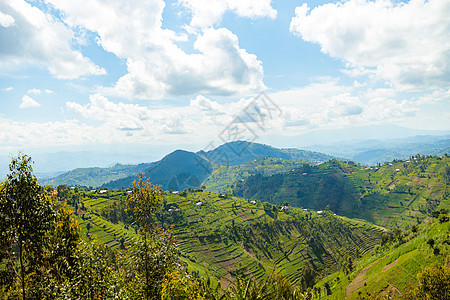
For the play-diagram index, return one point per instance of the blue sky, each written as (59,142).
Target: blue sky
(77,73)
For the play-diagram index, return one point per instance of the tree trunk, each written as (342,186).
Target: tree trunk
(22,269)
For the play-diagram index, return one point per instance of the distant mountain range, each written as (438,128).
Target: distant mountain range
(181,169)
(372,152)
(184,169)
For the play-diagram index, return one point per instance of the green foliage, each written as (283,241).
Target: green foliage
(275,287)
(178,285)
(154,253)
(26,214)
(433,283)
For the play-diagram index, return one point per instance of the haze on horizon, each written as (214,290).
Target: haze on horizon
(77,75)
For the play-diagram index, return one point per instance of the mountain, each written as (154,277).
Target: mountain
(241,152)
(182,169)
(176,171)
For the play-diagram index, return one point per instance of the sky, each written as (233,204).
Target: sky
(84,74)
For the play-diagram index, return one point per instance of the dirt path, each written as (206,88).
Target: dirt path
(359,281)
(390,265)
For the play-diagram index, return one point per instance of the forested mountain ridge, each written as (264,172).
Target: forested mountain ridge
(241,152)
(178,170)
(390,195)
(182,169)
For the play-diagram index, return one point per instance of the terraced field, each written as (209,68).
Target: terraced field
(228,236)
(395,194)
(392,269)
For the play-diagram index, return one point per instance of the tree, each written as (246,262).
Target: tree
(154,253)
(434,283)
(327,287)
(179,285)
(308,276)
(26,214)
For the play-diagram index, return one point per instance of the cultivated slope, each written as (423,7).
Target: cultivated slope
(393,269)
(225,236)
(393,194)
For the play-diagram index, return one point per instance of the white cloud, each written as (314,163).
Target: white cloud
(442,95)
(407,44)
(208,13)
(70,132)
(40,39)
(8,89)
(34,91)
(6,20)
(157,67)
(27,102)
(38,91)
(130,117)
(206,105)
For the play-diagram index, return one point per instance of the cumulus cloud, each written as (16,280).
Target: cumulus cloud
(8,89)
(156,65)
(6,20)
(208,13)
(27,102)
(406,44)
(129,117)
(206,105)
(38,38)
(442,95)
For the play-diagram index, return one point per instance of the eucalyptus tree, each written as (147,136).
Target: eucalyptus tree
(26,214)
(154,253)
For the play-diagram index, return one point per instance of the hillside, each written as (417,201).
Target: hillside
(223,177)
(225,236)
(94,177)
(176,171)
(393,194)
(392,270)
